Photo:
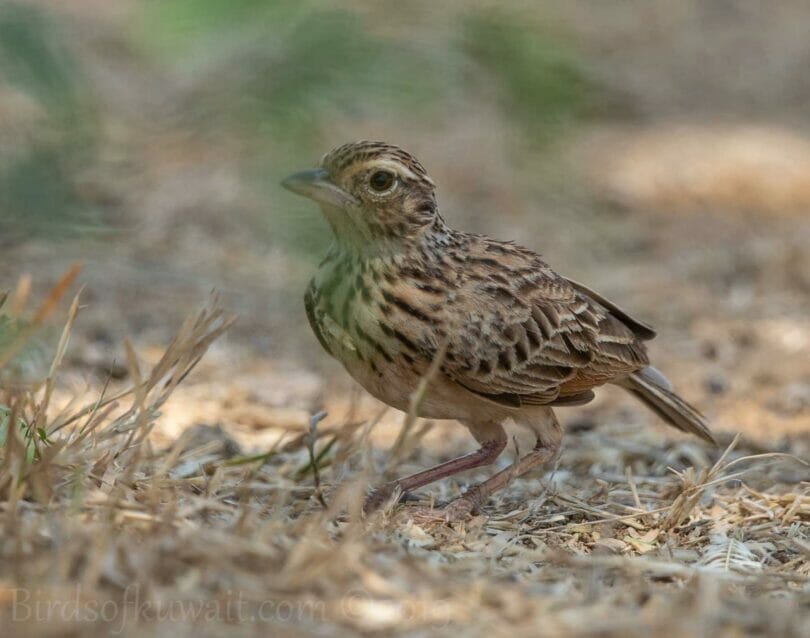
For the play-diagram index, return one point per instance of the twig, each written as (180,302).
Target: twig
(415,403)
(311,439)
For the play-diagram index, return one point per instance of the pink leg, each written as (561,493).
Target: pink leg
(489,451)
(477,495)
(546,448)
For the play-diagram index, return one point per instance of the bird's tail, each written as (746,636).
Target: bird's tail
(652,388)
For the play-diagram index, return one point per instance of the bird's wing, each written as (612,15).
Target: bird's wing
(528,336)
(642,330)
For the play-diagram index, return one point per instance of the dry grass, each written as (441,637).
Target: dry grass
(105,532)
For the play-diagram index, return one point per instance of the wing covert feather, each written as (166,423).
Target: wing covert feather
(532,337)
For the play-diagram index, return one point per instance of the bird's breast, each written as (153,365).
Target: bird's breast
(379,322)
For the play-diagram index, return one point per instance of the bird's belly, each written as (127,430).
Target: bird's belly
(395,384)
(383,381)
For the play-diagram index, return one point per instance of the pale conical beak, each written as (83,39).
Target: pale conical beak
(316,185)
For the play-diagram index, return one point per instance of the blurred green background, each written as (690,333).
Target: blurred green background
(657,150)
(266,80)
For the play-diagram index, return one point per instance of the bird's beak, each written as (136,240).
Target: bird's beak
(316,185)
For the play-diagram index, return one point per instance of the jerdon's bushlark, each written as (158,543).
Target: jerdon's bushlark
(399,289)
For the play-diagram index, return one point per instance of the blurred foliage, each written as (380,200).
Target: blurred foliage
(30,359)
(540,81)
(23,360)
(27,433)
(284,69)
(34,61)
(272,77)
(47,129)
(277,74)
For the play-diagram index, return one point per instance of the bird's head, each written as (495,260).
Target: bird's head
(371,193)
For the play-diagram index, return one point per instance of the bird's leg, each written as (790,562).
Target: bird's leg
(546,448)
(491,448)
(477,495)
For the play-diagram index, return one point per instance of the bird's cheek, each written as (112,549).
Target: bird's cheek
(363,225)
(338,218)
(333,213)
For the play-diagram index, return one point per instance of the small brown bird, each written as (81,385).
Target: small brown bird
(400,289)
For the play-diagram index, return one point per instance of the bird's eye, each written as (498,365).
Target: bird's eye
(381,181)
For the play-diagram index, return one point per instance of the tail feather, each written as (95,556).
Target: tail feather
(648,385)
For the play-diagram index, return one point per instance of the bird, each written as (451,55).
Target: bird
(401,294)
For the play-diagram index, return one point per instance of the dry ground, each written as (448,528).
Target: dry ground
(133,511)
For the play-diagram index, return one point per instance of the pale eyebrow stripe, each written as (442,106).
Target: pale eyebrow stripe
(395,167)
(402,170)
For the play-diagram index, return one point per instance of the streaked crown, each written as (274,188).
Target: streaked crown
(394,193)
(365,153)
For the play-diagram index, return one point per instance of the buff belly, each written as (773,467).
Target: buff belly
(394,385)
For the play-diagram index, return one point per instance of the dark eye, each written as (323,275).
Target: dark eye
(381,181)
